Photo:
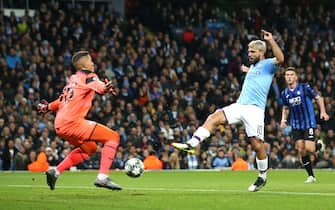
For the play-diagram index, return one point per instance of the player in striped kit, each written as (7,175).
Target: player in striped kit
(299,113)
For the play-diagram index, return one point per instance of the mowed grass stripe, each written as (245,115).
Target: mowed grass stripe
(183,190)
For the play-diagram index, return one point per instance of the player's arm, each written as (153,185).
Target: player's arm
(94,83)
(53,106)
(319,99)
(43,107)
(323,113)
(277,52)
(284,116)
(109,87)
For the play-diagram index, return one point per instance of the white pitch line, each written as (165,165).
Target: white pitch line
(184,190)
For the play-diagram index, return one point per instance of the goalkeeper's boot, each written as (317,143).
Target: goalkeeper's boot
(51,178)
(107,183)
(259,183)
(184,147)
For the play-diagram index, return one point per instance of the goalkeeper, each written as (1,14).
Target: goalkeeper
(70,123)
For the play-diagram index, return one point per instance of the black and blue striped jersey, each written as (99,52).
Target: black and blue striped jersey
(299,101)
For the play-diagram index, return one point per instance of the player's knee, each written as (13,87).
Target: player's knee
(258,146)
(115,137)
(216,118)
(89,147)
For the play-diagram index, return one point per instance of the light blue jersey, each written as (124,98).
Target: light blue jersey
(257,83)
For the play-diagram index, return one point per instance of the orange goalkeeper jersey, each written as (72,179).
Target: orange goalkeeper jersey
(76,100)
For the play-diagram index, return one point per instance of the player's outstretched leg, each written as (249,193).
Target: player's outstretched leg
(203,132)
(51,178)
(184,147)
(199,135)
(76,156)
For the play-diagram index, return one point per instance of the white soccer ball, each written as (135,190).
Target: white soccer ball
(134,167)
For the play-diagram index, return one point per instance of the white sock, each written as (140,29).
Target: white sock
(199,135)
(262,167)
(102,176)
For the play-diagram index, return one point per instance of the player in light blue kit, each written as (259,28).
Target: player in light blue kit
(249,108)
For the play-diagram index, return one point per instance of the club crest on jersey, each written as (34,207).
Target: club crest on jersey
(254,73)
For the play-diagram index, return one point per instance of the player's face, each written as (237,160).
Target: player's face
(254,55)
(88,63)
(291,77)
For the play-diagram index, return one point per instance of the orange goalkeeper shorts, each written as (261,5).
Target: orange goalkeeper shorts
(76,133)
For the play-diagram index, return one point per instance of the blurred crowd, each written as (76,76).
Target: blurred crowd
(167,86)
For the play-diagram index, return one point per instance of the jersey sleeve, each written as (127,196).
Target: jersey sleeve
(94,83)
(309,91)
(270,65)
(53,106)
(283,98)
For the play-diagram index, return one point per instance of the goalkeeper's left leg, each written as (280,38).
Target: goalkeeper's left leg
(111,140)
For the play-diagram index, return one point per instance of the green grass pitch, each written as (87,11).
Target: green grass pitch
(170,190)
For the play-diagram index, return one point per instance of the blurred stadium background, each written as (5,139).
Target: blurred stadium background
(174,62)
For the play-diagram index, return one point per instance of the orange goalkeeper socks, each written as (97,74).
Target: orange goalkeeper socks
(107,156)
(75,157)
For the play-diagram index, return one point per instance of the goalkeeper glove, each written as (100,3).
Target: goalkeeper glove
(109,88)
(43,107)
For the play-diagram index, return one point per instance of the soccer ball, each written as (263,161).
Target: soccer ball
(134,167)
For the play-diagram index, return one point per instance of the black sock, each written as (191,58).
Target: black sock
(308,165)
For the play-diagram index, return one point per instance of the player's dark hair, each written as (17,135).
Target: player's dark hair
(76,56)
